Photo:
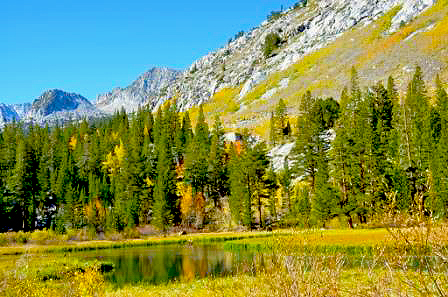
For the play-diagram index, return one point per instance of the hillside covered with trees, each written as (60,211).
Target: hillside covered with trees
(368,155)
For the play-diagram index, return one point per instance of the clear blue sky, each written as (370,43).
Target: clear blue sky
(92,46)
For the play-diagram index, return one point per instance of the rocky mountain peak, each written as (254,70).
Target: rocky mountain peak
(150,85)
(56,100)
(302,30)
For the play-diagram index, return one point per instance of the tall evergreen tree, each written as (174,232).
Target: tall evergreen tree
(217,165)
(417,132)
(166,204)
(439,194)
(23,184)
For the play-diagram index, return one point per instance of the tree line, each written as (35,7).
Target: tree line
(369,155)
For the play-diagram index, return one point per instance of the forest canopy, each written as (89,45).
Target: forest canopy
(368,155)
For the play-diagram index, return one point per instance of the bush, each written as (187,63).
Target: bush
(3,239)
(131,233)
(271,43)
(274,15)
(43,236)
(21,237)
(301,3)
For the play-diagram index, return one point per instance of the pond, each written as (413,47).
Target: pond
(167,263)
(162,264)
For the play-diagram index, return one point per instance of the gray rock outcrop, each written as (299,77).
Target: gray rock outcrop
(152,84)
(302,31)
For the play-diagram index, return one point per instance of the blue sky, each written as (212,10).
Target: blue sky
(92,46)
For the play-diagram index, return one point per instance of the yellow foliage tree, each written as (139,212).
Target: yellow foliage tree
(199,203)
(95,213)
(185,191)
(115,160)
(72,143)
(146,131)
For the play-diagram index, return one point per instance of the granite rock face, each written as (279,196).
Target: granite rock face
(7,114)
(56,106)
(240,63)
(52,107)
(152,84)
(302,31)
(53,101)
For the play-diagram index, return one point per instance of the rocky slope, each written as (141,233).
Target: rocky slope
(302,30)
(11,112)
(152,84)
(57,106)
(318,45)
(7,114)
(241,63)
(53,106)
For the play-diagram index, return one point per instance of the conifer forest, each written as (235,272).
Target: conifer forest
(371,153)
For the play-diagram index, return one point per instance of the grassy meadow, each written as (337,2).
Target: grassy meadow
(410,261)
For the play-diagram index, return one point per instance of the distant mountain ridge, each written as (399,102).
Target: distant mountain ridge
(318,42)
(150,85)
(57,106)
(55,100)
(241,64)
(53,106)
(12,112)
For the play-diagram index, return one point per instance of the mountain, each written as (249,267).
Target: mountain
(317,43)
(315,47)
(11,112)
(7,114)
(311,46)
(306,36)
(152,84)
(57,106)
(53,106)
(54,101)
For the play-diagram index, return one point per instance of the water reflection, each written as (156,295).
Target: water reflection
(161,264)
(156,265)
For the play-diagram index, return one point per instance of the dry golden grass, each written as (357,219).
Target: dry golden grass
(283,273)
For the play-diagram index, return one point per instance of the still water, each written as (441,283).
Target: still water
(161,264)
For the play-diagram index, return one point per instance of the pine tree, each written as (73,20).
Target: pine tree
(217,167)
(439,201)
(23,183)
(271,187)
(281,120)
(272,131)
(196,164)
(166,204)
(324,201)
(237,189)
(417,131)
(304,152)
(248,183)
(381,167)
(285,179)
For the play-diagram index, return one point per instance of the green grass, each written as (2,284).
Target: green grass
(299,263)
(64,247)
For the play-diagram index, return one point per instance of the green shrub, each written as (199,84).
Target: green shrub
(271,43)
(300,4)
(131,233)
(43,236)
(274,15)
(3,239)
(21,237)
